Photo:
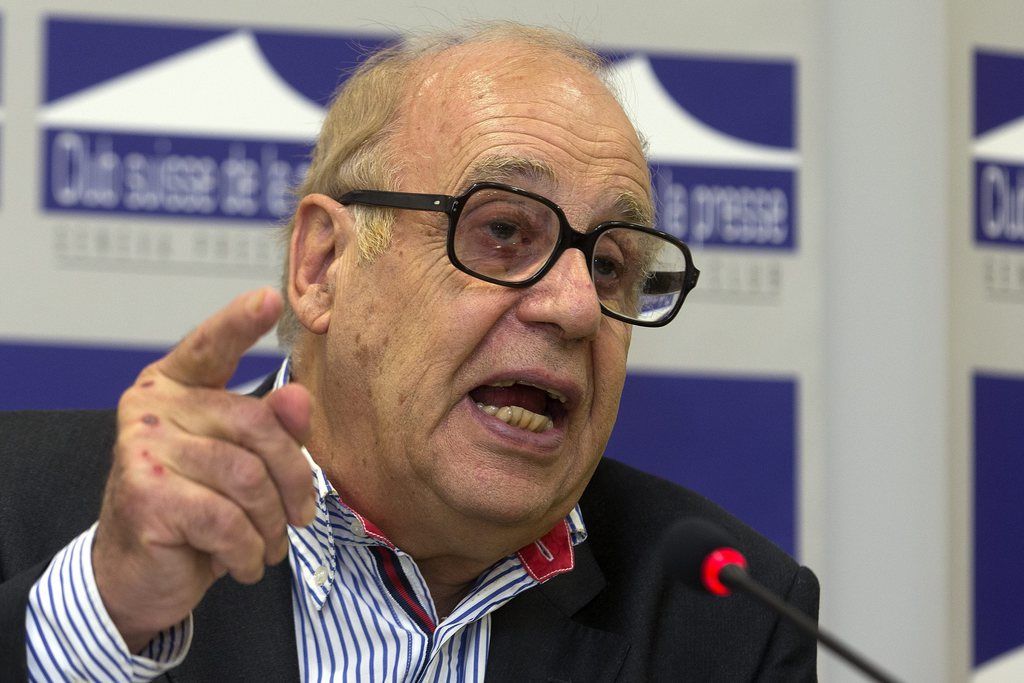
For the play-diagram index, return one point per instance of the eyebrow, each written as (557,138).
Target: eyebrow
(513,169)
(508,169)
(635,209)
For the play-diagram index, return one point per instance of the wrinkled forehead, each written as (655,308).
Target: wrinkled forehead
(513,113)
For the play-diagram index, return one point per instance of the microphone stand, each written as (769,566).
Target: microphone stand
(736,578)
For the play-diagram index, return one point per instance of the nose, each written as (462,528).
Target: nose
(565,298)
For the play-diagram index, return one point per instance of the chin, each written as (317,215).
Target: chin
(511,503)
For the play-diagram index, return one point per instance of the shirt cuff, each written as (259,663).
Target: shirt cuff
(69,634)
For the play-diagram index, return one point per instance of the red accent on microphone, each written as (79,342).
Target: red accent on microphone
(713,565)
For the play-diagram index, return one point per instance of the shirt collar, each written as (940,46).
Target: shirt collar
(545,558)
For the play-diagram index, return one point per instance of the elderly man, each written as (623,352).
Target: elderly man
(465,265)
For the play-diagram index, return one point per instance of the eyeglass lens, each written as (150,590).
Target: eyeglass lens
(510,237)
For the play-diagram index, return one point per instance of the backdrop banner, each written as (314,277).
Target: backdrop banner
(167,152)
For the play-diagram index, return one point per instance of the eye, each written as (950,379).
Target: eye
(505,236)
(505,225)
(606,268)
(507,232)
(609,264)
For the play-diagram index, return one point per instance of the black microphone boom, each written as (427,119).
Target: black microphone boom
(702,555)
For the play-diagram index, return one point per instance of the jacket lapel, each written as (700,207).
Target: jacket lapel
(534,638)
(244,632)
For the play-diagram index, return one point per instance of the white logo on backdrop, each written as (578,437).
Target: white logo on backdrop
(223,88)
(675,135)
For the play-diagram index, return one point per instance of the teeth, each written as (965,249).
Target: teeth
(557,395)
(519,417)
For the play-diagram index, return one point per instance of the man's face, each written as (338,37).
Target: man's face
(414,344)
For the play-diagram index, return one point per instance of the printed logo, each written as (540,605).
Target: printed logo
(217,123)
(183,122)
(998,148)
(722,146)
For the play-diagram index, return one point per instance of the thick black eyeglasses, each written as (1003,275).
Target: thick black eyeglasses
(513,237)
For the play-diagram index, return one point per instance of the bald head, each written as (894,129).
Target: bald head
(404,102)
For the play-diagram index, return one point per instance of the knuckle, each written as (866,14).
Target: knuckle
(250,562)
(220,520)
(150,372)
(249,474)
(257,415)
(130,403)
(277,530)
(230,523)
(277,551)
(198,343)
(251,572)
(299,477)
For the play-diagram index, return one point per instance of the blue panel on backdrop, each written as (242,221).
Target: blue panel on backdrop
(53,376)
(998,88)
(998,515)
(748,99)
(731,439)
(98,51)
(315,64)
(80,54)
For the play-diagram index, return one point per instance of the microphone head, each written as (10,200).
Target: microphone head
(694,552)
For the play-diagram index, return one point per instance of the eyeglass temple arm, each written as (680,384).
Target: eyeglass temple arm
(399,200)
(664,281)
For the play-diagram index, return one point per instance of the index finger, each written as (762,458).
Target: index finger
(208,356)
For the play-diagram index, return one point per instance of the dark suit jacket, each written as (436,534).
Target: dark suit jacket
(615,617)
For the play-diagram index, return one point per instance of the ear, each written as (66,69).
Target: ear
(323,230)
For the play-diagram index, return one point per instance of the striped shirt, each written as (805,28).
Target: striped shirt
(362,610)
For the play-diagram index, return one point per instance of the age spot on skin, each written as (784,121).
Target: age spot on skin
(150,419)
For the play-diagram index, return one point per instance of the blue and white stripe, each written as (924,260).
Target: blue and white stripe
(70,636)
(348,624)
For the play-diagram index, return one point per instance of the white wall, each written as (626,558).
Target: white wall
(887,311)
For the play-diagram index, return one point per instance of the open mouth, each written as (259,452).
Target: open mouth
(521,404)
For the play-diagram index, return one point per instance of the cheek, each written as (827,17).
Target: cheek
(610,352)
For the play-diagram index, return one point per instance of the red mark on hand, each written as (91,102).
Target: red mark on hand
(150,419)
(158,469)
(148,383)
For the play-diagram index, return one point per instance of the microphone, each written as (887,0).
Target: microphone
(703,556)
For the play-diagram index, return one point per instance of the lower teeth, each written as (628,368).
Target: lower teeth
(519,417)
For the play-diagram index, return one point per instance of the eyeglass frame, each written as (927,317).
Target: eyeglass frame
(568,238)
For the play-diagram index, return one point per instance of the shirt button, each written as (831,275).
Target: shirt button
(320,575)
(357,528)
